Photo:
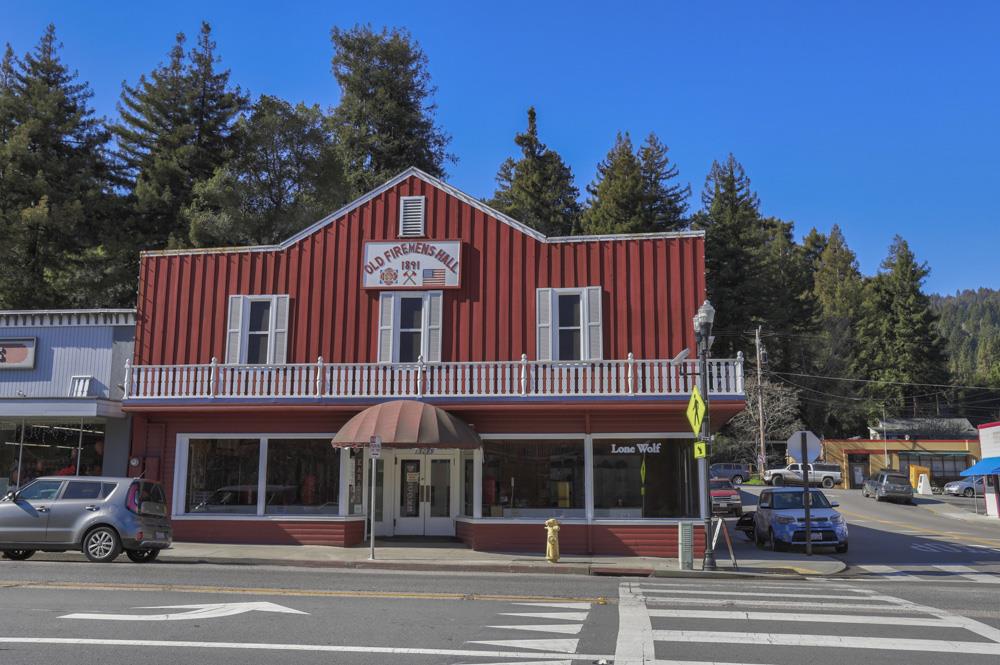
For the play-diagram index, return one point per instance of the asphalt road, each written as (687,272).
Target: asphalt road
(936,538)
(355,617)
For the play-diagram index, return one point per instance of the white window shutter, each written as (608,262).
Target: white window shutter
(234,330)
(435,302)
(411,216)
(543,323)
(279,347)
(385,318)
(595,340)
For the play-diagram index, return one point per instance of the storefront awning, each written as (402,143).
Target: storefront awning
(988,467)
(407,424)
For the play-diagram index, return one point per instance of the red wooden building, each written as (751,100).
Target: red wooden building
(555,351)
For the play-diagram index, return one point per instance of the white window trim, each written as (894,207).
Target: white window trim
(272,326)
(555,325)
(425,321)
(182,448)
(423,216)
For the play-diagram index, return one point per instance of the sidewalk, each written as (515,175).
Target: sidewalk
(455,557)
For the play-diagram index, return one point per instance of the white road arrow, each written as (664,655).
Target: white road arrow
(207,611)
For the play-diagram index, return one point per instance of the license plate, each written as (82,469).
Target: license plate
(816,536)
(161,535)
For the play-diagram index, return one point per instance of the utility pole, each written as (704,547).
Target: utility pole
(762,454)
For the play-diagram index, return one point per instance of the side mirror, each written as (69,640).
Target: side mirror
(10,496)
(835,504)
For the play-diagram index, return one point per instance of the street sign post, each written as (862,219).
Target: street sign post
(374,451)
(804,447)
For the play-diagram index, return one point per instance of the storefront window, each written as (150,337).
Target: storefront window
(49,449)
(303,477)
(543,478)
(644,478)
(468,483)
(222,476)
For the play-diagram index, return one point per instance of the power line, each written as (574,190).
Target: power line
(895,383)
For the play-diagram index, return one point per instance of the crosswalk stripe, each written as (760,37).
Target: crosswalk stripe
(567,616)
(529,662)
(811,618)
(970,574)
(838,584)
(891,573)
(788,639)
(564,606)
(562,628)
(782,603)
(698,592)
(556,645)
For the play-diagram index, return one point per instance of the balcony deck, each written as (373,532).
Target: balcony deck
(513,379)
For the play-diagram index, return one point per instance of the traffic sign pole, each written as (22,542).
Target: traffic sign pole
(374,451)
(806,496)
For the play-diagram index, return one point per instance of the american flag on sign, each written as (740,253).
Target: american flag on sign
(434,277)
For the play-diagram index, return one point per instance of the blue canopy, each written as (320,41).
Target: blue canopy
(987,467)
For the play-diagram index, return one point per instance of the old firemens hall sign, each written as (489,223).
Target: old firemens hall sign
(412,264)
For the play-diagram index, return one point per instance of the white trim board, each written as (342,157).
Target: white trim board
(445,187)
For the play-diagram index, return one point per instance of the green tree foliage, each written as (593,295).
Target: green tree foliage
(175,130)
(284,174)
(538,188)
(970,322)
(898,340)
(385,119)
(55,182)
(633,193)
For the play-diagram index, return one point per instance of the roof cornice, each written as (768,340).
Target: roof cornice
(36,318)
(440,184)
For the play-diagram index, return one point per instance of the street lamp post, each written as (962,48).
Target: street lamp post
(703,336)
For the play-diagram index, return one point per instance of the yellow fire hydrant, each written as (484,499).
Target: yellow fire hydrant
(552,540)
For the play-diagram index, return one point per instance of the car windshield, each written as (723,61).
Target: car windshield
(720,484)
(792,500)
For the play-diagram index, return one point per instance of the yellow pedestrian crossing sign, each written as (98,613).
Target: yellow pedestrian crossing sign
(696,410)
(700,449)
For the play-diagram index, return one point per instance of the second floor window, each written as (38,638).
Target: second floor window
(569,331)
(569,325)
(409,326)
(257,330)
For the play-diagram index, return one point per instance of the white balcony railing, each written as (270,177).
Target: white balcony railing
(507,378)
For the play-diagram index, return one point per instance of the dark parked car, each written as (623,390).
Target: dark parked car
(888,485)
(99,515)
(736,473)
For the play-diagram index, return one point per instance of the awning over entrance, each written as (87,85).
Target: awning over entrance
(407,424)
(988,467)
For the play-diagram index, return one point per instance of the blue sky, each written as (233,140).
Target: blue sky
(878,116)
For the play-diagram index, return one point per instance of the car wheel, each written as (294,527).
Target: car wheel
(778,481)
(969,492)
(102,545)
(864,492)
(842,548)
(142,556)
(773,543)
(757,539)
(18,555)
(737,479)
(828,482)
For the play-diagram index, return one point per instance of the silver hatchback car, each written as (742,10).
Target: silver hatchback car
(99,515)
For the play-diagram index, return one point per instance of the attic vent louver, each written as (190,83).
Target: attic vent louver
(411,216)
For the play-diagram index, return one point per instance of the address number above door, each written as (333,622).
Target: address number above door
(413,264)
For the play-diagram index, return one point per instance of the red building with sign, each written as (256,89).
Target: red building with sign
(554,352)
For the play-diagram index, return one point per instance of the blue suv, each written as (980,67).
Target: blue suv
(779,521)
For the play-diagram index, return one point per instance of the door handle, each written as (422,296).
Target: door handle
(92,509)
(43,509)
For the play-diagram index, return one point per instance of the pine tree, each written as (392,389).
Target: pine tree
(55,180)
(734,264)
(384,121)
(633,193)
(284,175)
(898,340)
(175,131)
(666,200)
(537,189)
(617,202)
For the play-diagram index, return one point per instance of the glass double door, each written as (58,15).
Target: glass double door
(425,494)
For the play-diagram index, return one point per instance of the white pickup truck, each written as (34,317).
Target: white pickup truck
(820,473)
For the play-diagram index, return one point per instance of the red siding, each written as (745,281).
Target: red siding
(657,540)
(652,288)
(270,532)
